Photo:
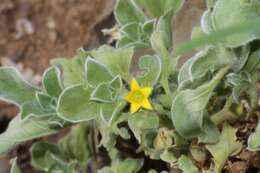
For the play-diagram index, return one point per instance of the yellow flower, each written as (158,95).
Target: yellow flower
(138,97)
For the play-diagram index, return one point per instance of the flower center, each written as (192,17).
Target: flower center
(137,96)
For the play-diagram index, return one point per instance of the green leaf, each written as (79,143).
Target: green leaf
(33,108)
(74,104)
(49,158)
(218,36)
(13,88)
(227,146)
(252,62)
(45,101)
(75,145)
(126,11)
(109,111)
(52,81)
(226,14)
(206,23)
(117,60)
(124,41)
(109,130)
(122,166)
(189,105)
(168,157)
(186,165)
(151,67)
(41,155)
(14,167)
(161,41)
(23,130)
(72,70)
(142,121)
(96,73)
(254,140)
(158,8)
(204,61)
(210,132)
(198,153)
(132,30)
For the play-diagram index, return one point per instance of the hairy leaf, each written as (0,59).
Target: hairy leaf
(116,59)
(254,140)
(126,11)
(96,73)
(151,66)
(122,166)
(201,63)
(13,88)
(74,104)
(186,165)
(189,105)
(72,70)
(142,121)
(75,145)
(159,8)
(233,12)
(227,146)
(52,81)
(22,130)
(43,153)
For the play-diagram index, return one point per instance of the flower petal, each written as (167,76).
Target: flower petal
(146,91)
(129,97)
(134,107)
(134,85)
(146,104)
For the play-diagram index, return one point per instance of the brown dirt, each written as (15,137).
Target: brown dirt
(59,27)
(34,31)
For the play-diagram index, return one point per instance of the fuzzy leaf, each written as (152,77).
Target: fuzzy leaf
(52,81)
(72,70)
(189,105)
(107,92)
(132,30)
(41,155)
(186,165)
(33,108)
(74,104)
(206,23)
(44,100)
(158,8)
(204,61)
(142,121)
(13,88)
(210,132)
(225,14)
(22,130)
(126,11)
(151,67)
(75,145)
(161,42)
(168,157)
(227,146)
(254,140)
(96,73)
(117,60)
(122,166)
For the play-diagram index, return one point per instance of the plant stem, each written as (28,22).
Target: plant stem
(166,88)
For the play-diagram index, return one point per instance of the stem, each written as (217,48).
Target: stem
(93,145)
(166,88)
(219,76)
(225,113)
